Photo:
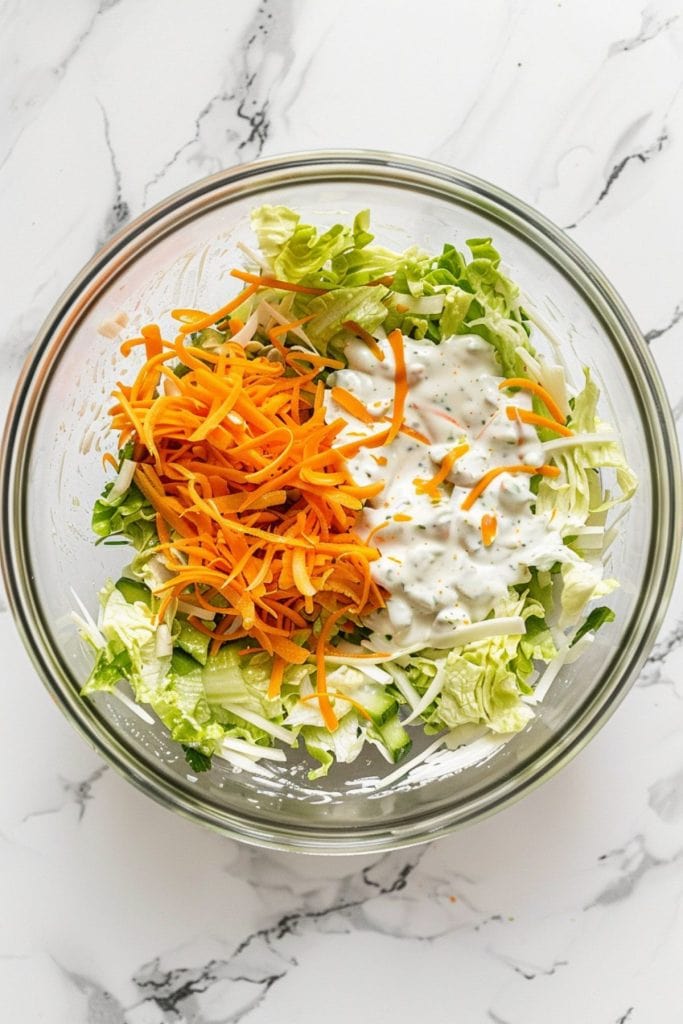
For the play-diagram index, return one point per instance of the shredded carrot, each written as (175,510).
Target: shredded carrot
(220,314)
(537,389)
(273,282)
(153,343)
(365,336)
(489,529)
(282,329)
(276,675)
(364,654)
(255,506)
(409,432)
(395,340)
(349,403)
(375,530)
(110,460)
(127,346)
(342,696)
(401,308)
(401,518)
(381,460)
(235,324)
(479,488)
(373,441)
(514,412)
(331,720)
(431,486)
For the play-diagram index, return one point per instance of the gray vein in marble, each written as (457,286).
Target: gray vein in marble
(530,971)
(635,861)
(665,797)
(80,793)
(491,919)
(495,1018)
(41,87)
(101,1006)
(103,6)
(261,958)
(657,332)
(650,28)
(119,212)
(665,646)
(244,98)
(626,1016)
(443,150)
(643,156)
(75,793)
(174,992)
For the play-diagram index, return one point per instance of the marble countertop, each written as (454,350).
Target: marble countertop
(566,908)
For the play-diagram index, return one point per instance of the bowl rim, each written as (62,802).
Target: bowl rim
(124,246)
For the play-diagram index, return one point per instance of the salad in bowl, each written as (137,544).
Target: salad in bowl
(357,505)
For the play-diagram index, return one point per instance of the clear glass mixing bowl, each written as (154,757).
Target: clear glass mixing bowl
(178,254)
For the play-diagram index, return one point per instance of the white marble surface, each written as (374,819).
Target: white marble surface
(565,909)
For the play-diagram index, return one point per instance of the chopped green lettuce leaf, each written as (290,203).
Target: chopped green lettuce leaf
(480,688)
(363,305)
(575,494)
(594,620)
(295,250)
(582,582)
(198,761)
(343,745)
(193,641)
(130,516)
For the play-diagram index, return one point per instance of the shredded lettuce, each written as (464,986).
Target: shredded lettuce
(575,494)
(362,305)
(187,696)
(129,516)
(594,620)
(425,296)
(484,682)
(343,745)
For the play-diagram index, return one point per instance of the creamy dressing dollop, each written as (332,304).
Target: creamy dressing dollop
(433,563)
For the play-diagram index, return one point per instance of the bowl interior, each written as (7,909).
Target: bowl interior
(181,255)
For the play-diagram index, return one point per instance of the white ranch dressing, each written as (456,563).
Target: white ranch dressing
(434,565)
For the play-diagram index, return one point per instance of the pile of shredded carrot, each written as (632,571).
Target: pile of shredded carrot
(255,508)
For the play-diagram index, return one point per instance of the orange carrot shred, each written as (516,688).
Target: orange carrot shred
(276,675)
(395,340)
(331,720)
(514,412)
(272,282)
(480,487)
(342,696)
(365,336)
(220,314)
(422,438)
(351,404)
(431,486)
(489,529)
(537,389)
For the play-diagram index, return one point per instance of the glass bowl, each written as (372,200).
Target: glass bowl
(178,254)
